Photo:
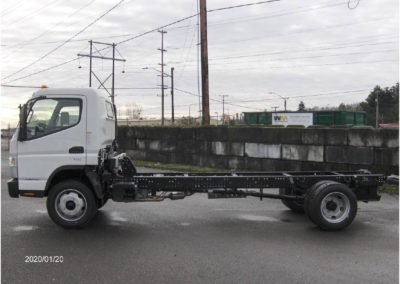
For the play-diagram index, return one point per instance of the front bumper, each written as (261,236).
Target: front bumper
(13,190)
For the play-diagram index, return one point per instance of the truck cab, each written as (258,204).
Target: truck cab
(59,135)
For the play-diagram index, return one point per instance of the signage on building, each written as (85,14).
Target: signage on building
(294,118)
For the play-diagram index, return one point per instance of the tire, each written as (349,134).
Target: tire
(295,206)
(331,205)
(71,204)
(310,192)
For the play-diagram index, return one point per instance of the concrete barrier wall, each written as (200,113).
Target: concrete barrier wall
(266,149)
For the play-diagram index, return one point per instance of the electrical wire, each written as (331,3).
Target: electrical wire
(65,42)
(20,45)
(318,48)
(305,96)
(12,8)
(309,65)
(270,16)
(214,100)
(35,12)
(192,16)
(15,86)
(43,70)
(241,6)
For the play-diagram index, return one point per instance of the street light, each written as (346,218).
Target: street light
(283,98)
(155,69)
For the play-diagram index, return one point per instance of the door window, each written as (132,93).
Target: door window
(47,116)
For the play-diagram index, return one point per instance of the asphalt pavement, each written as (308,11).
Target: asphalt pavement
(197,240)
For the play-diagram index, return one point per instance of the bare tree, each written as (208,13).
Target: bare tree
(133,111)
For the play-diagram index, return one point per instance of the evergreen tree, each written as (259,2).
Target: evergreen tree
(388,105)
(302,106)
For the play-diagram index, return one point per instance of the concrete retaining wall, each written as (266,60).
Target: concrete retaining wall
(266,149)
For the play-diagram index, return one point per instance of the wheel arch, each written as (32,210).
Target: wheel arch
(78,172)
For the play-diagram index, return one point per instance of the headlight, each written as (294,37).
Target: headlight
(12,161)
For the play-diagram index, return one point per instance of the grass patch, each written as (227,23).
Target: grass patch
(392,189)
(174,167)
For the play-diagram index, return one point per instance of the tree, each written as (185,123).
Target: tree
(302,106)
(388,105)
(342,107)
(133,111)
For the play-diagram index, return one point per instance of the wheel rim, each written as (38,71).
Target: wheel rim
(70,205)
(335,207)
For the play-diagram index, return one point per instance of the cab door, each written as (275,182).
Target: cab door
(56,137)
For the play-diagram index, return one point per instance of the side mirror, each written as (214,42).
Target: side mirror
(22,133)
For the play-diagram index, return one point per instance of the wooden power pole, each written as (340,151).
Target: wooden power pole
(162,75)
(204,63)
(172,96)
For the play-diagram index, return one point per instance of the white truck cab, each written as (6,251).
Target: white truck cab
(60,134)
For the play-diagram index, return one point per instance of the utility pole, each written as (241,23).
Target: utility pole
(113,74)
(102,83)
(275,108)
(223,108)
(283,98)
(172,96)
(162,75)
(377,111)
(204,63)
(90,63)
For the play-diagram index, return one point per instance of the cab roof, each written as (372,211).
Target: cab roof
(70,91)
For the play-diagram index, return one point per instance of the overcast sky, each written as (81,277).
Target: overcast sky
(318,51)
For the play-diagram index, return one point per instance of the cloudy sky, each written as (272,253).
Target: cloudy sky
(320,52)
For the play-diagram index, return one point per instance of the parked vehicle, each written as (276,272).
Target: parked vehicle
(65,149)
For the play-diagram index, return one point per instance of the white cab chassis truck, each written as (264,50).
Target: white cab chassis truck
(65,149)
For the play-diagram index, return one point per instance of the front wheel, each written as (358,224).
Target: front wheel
(71,204)
(331,205)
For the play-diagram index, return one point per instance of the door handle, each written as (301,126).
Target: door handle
(76,150)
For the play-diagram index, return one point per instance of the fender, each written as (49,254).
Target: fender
(77,171)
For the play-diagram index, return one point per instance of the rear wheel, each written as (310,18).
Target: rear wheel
(331,205)
(71,204)
(294,205)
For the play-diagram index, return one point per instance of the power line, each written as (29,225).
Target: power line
(306,96)
(309,57)
(269,16)
(15,86)
(158,28)
(304,50)
(241,6)
(27,42)
(232,104)
(65,42)
(44,70)
(35,12)
(192,16)
(11,8)
(315,65)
